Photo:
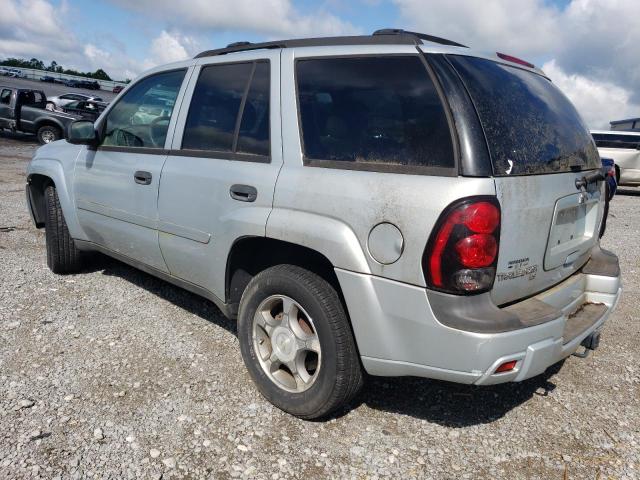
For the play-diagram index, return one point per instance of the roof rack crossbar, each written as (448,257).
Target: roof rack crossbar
(386,36)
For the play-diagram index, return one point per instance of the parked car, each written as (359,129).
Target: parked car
(24,110)
(62,100)
(48,79)
(624,149)
(377,204)
(89,84)
(10,72)
(86,109)
(14,72)
(118,89)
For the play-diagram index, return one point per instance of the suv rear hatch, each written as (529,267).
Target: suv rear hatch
(539,147)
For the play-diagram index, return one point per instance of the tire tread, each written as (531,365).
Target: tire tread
(62,254)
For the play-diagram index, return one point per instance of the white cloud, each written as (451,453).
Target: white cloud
(171,47)
(267,17)
(525,26)
(594,43)
(36,28)
(33,28)
(597,101)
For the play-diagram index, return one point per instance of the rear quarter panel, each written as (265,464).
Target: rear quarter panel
(333,211)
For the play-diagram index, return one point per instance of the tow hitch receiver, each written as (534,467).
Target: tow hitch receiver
(590,343)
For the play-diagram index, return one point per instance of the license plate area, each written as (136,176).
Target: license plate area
(573,229)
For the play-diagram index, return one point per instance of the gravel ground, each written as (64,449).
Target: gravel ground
(115,374)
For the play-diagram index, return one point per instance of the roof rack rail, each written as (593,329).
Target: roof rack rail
(238,44)
(421,36)
(386,36)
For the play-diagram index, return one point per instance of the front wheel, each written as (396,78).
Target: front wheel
(48,134)
(296,342)
(62,254)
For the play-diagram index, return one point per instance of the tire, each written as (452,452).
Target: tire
(337,376)
(48,134)
(62,254)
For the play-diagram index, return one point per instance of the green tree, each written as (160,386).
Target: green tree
(100,75)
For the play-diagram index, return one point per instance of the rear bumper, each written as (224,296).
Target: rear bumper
(398,331)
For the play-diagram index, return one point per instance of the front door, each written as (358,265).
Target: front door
(117,183)
(6,111)
(219,179)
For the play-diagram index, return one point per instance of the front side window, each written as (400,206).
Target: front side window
(141,118)
(5,97)
(372,112)
(229,110)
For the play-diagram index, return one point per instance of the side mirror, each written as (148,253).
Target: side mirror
(82,132)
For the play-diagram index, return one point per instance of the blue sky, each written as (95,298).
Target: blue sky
(131,32)
(588,47)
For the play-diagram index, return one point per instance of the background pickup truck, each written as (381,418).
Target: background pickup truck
(23,110)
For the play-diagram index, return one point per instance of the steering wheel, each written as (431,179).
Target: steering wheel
(127,139)
(158,132)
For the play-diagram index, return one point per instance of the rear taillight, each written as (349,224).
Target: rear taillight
(462,252)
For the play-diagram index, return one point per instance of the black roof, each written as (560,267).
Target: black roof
(387,36)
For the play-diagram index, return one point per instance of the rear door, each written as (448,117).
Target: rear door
(539,147)
(218,181)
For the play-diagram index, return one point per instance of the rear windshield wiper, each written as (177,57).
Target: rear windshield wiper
(591,177)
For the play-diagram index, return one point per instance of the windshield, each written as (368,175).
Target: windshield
(530,126)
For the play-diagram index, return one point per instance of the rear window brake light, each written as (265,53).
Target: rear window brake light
(512,59)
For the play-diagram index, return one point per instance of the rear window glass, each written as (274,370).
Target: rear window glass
(372,111)
(530,126)
(216,101)
(608,140)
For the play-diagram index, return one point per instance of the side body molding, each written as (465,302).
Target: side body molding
(328,236)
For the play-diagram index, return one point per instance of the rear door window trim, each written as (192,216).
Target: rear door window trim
(221,154)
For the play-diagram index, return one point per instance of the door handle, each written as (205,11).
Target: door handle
(243,193)
(142,177)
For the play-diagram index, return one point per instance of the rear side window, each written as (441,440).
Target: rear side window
(372,113)
(530,126)
(229,110)
(608,140)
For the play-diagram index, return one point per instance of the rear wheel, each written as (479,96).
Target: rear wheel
(48,134)
(62,254)
(296,342)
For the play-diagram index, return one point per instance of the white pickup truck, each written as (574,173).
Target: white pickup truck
(624,149)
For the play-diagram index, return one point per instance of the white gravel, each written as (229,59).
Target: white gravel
(115,374)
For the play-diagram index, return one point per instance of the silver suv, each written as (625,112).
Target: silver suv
(395,204)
